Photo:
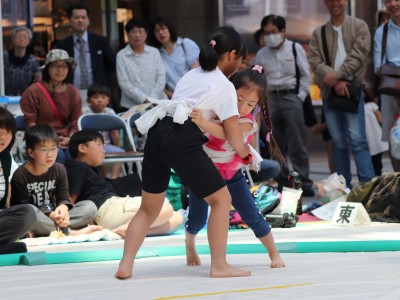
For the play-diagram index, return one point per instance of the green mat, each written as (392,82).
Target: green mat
(42,258)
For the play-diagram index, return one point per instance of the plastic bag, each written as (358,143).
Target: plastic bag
(331,188)
(288,203)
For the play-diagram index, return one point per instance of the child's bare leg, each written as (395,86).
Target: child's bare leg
(116,170)
(165,218)
(192,258)
(85,230)
(172,225)
(269,244)
(217,232)
(148,212)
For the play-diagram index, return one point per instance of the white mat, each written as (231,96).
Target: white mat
(102,235)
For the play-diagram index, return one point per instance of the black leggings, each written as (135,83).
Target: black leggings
(180,147)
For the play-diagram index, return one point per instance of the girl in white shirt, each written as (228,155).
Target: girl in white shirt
(174,141)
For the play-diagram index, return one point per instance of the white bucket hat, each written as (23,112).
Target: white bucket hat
(58,54)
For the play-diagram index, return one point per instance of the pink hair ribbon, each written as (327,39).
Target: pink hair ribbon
(258,68)
(268,136)
(212,43)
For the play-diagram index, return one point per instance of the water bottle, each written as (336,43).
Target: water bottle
(295,182)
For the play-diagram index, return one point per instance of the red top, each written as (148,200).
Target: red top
(37,110)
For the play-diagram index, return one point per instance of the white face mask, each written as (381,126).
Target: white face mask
(273,40)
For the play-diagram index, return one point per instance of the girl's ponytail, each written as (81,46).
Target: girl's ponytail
(208,57)
(221,40)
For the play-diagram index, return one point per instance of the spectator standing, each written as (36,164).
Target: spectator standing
(16,221)
(390,105)
(93,54)
(382,17)
(178,54)
(286,100)
(259,38)
(54,101)
(42,183)
(21,68)
(140,69)
(348,41)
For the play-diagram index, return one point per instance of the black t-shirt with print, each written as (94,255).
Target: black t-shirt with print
(49,189)
(85,182)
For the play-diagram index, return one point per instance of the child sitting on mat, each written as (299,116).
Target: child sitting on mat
(43,183)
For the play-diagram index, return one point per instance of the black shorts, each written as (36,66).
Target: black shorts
(180,147)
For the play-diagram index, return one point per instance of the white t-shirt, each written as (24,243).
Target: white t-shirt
(14,166)
(341,50)
(373,130)
(210,91)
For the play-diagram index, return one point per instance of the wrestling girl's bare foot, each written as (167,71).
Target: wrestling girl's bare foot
(124,270)
(226,270)
(277,262)
(192,258)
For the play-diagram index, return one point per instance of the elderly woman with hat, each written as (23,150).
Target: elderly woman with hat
(20,67)
(54,100)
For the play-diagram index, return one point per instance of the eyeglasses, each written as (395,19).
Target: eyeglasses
(59,66)
(46,150)
(4,132)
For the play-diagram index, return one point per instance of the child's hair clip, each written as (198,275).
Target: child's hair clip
(258,68)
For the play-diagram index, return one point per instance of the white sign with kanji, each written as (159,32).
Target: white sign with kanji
(350,214)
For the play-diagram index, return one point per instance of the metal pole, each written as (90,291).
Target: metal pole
(220,12)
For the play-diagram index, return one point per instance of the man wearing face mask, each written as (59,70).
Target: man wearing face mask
(287,95)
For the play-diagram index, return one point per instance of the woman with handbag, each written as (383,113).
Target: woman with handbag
(54,100)
(387,57)
(179,55)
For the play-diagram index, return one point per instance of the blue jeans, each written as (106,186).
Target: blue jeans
(268,169)
(349,129)
(242,201)
(64,157)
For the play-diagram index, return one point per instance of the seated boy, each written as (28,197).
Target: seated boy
(43,183)
(114,212)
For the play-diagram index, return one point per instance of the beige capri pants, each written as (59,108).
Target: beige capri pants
(116,211)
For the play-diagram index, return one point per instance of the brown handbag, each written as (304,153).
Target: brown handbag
(389,83)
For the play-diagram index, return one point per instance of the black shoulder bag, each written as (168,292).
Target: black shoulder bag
(338,102)
(389,82)
(308,108)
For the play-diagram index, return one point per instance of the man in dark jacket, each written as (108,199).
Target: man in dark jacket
(93,54)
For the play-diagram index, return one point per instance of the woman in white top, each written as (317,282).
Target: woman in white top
(140,70)
(174,141)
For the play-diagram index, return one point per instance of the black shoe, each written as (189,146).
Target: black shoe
(14,247)
(308,192)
